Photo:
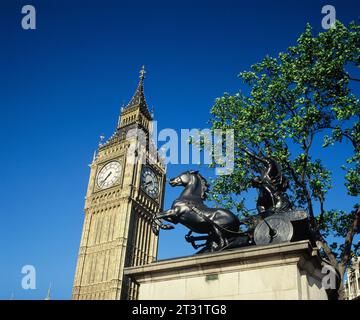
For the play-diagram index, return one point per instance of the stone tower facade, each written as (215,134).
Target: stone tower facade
(122,196)
(352,285)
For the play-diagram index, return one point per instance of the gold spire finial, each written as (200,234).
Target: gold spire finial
(48,296)
(142,73)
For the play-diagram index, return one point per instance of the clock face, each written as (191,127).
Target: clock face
(150,182)
(109,175)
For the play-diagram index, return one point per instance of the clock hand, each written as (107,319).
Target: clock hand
(102,182)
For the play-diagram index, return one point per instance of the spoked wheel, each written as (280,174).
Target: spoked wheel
(273,229)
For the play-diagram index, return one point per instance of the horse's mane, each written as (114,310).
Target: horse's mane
(204,184)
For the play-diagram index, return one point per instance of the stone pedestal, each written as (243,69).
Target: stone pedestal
(272,272)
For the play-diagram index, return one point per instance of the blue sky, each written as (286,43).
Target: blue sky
(62,85)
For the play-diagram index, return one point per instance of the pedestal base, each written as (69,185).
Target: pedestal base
(272,272)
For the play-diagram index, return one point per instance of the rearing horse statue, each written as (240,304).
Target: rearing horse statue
(220,225)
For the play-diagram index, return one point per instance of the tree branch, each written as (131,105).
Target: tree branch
(322,210)
(346,135)
(354,79)
(356,247)
(310,207)
(306,147)
(321,243)
(348,241)
(302,180)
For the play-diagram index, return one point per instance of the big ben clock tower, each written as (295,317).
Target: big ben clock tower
(122,196)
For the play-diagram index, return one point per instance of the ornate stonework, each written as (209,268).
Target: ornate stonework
(117,225)
(352,285)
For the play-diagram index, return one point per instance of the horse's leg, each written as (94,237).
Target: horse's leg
(170,216)
(157,224)
(165,215)
(222,241)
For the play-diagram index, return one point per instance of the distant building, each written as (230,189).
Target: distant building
(352,285)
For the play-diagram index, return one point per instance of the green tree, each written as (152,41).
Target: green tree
(295,100)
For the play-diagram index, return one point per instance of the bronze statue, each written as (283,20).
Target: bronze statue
(220,225)
(275,222)
(272,186)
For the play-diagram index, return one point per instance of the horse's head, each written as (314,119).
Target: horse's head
(181,180)
(194,178)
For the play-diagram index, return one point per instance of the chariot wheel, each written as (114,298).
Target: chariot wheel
(273,229)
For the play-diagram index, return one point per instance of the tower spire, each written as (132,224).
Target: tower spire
(48,296)
(142,73)
(138,99)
